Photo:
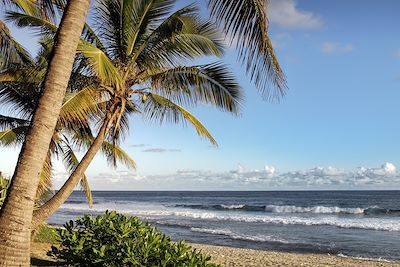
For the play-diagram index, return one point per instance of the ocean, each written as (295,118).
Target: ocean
(362,224)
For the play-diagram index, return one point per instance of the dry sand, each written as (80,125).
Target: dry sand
(235,257)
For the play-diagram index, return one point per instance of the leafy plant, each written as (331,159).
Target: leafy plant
(46,234)
(4,183)
(113,239)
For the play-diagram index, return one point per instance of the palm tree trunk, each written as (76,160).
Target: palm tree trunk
(16,213)
(65,191)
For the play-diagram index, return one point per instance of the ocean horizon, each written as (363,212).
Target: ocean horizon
(353,223)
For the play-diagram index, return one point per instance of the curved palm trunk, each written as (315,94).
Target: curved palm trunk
(16,213)
(65,191)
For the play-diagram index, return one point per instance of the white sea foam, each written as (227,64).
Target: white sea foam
(232,207)
(364,258)
(233,235)
(387,224)
(314,209)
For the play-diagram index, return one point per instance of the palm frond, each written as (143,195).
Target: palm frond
(42,25)
(100,63)
(20,97)
(123,22)
(78,107)
(162,109)
(7,122)
(246,22)
(71,162)
(13,136)
(11,51)
(116,154)
(212,84)
(84,183)
(45,181)
(181,36)
(89,35)
(28,6)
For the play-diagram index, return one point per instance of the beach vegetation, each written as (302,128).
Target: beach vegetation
(113,239)
(46,234)
(4,183)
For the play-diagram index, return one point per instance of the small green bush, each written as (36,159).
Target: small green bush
(45,234)
(113,239)
(4,183)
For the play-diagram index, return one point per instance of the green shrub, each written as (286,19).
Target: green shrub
(3,189)
(45,234)
(117,240)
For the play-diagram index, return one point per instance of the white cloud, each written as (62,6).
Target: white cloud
(384,177)
(270,170)
(117,177)
(286,14)
(330,47)
(318,177)
(389,167)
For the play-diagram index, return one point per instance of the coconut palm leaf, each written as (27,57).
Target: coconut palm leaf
(13,136)
(11,51)
(162,109)
(28,6)
(213,84)
(100,63)
(45,181)
(20,97)
(115,154)
(121,23)
(71,162)
(7,122)
(40,24)
(245,22)
(78,107)
(182,35)
(84,183)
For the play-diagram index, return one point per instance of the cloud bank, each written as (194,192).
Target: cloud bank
(268,178)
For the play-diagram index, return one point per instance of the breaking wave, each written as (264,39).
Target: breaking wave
(296,209)
(233,235)
(368,223)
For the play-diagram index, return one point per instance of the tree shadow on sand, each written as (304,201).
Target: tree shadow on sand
(40,262)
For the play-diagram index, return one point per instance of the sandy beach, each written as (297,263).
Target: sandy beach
(235,257)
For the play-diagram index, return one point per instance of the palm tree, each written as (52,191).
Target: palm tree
(239,18)
(20,89)
(18,205)
(137,66)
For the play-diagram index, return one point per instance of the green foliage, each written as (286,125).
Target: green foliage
(113,239)
(3,189)
(46,234)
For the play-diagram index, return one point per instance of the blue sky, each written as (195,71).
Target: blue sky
(335,129)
